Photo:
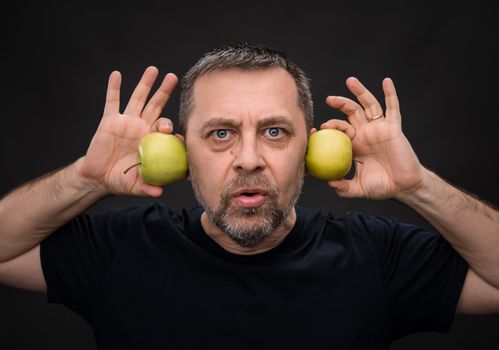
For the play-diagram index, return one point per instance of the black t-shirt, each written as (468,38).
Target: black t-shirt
(150,278)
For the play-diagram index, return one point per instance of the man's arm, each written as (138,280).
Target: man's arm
(388,168)
(472,228)
(35,210)
(24,272)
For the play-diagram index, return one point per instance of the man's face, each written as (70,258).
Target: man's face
(246,140)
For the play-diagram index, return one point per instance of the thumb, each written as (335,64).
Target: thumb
(345,188)
(151,190)
(162,124)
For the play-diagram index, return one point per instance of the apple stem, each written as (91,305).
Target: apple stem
(130,167)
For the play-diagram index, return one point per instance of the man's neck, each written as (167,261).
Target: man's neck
(271,241)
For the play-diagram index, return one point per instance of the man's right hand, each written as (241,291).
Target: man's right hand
(36,209)
(114,145)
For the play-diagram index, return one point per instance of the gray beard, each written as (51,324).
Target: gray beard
(247,226)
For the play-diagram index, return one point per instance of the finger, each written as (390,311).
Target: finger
(341,125)
(312,131)
(162,125)
(366,98)
(392,101)
(180,137)
(346,188)
(151,190)
(139,95)
(158,101)
(112,105)
(353,111)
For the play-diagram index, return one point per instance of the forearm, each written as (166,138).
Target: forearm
(35,210)
(468,224)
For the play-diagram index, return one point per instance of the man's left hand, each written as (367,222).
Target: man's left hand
(386,165)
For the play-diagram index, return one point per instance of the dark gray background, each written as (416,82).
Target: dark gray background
(56,58)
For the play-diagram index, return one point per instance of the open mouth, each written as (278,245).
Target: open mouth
(250,198)
(249,194)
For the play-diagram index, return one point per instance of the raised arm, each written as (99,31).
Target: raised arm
(35,210)
(388,168)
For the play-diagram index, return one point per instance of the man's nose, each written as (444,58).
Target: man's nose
(248,157)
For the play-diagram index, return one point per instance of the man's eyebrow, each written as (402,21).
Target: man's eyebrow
(231,123)
(276,120)
(219,123)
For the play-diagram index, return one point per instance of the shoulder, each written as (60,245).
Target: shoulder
(154,220)
(353,222)
(146,213)
(351,230)
(374,230)
(118,222)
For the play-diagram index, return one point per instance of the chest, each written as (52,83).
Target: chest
(194,300)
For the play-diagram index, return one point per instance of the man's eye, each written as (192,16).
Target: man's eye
(274,132)
(221,134)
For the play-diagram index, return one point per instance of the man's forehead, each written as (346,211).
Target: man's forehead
(220,83)
(230,93)
(235,73)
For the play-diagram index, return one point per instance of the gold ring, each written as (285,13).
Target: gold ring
(376,117)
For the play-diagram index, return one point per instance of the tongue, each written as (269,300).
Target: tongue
(250,201)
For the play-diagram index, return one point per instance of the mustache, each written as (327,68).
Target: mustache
(248,181)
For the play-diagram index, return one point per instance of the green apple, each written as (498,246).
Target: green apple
(162,159)
(329,154)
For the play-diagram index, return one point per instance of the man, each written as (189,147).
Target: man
(250,269)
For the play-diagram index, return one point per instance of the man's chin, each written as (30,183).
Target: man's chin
(249,233)
(248,226)
(254,213)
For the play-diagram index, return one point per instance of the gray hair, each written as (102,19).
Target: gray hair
(247,57)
